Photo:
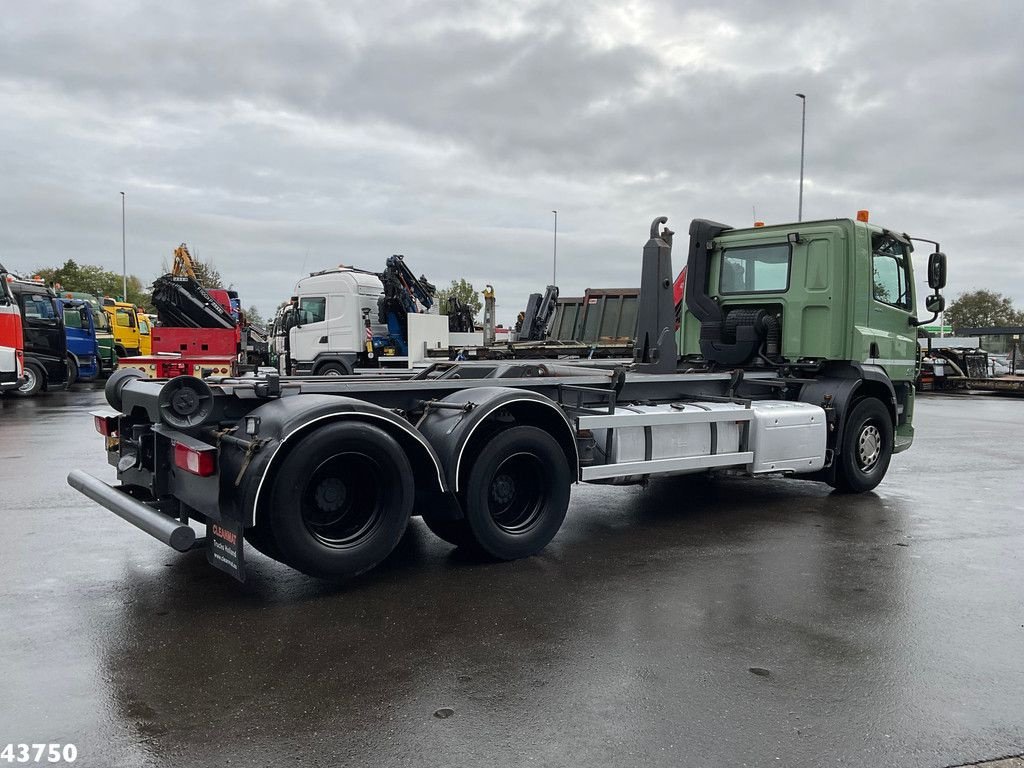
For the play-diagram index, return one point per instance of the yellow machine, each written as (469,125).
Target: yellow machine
(124,323)
(183,264)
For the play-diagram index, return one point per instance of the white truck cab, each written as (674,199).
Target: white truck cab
(329,333)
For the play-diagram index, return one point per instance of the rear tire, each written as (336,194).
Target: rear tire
(341,500)
(867,447)
(517,493)
(35,378)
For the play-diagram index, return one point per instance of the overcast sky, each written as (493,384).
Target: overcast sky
(278,138)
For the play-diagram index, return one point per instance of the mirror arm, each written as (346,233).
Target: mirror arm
(915,323)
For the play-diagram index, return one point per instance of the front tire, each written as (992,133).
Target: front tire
(867,447)
(517,493)
(72,377)
(341,501)
(334,369)
(35,378)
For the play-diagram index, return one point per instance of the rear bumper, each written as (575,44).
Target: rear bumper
(165,528)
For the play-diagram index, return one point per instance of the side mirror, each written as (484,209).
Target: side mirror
(936,303)
(936,271)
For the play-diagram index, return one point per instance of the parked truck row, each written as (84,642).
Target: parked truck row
(795,355)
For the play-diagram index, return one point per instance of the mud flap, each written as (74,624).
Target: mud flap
(224,547)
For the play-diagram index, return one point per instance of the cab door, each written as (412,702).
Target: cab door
(44,331)
(892,339)
(309,335)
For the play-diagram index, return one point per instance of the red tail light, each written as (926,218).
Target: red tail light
(198,461)
(105,425)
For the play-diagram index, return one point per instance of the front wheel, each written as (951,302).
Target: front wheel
(866,447)
(334,369)
(34,379)
(72,375)
(341,501)
(517,493)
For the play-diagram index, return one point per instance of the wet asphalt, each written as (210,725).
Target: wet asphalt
(708,623)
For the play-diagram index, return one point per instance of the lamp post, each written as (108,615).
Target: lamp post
(554,253)
(803,131)
(124,256)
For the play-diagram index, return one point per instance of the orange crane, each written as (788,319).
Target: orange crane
(183,264)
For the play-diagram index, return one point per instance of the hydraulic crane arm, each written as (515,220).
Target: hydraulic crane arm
(183,264)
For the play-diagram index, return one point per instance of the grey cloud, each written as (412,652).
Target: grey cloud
(292,136)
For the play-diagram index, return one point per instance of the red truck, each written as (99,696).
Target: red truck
(12,354)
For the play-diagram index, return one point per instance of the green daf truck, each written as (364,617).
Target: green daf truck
(795,357)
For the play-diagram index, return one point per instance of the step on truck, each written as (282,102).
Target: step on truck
(795,358)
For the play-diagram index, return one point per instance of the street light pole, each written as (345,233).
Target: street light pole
(803,132)
(124,256)
(554,253)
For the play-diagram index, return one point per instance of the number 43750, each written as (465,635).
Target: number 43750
(39,753)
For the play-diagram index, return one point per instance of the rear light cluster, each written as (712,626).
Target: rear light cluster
(198,461)
(105,425)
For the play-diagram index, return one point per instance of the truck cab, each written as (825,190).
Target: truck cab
(46,352)
(104,335)
(12,355)
(328,325)
(124,322)
(145,333)
(80,336)
(835,294)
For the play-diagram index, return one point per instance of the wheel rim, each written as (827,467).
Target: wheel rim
(516,493)
(869,447)
(332,372)
(30,381)
(343,501)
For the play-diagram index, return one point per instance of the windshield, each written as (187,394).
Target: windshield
(100,318)
(75,317)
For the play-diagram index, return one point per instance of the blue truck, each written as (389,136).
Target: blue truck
(82,343)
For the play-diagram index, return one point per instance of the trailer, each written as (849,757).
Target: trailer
(796,357)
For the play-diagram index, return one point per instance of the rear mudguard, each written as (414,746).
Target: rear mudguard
(282,423)
(456,434)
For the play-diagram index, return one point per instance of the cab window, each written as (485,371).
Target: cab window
(123,318)
(143,327)
(890,273)
(312,309)
(38,308)
(756,269)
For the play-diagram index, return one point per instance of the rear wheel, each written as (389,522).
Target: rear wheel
(517,493)
(866,448)
(341,501)
(34,379)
